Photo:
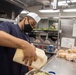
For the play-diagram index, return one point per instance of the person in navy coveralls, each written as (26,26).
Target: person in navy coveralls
(12,37)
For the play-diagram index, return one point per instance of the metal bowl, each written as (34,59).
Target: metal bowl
(37,71)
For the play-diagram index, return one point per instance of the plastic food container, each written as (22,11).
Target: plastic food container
(40,62)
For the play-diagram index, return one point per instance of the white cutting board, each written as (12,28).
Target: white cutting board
(40,62)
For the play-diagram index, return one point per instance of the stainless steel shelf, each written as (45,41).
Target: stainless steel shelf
(43,44)
(45,31)
(9,20)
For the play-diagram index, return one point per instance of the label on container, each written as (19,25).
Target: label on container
(51,48)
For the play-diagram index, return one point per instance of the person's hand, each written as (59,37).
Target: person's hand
(29,54)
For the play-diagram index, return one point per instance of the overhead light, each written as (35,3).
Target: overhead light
(24,12)
(73,1)
(49,11)
(62,3)
(55,17)
(69,10)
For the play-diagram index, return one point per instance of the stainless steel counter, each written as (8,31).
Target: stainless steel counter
(60,66)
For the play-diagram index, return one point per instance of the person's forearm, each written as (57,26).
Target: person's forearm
(8,40)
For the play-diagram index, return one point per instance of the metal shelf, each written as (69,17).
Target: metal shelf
(9,20)
(45,31)
(41,44)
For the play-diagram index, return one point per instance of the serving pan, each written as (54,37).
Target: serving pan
(39,72)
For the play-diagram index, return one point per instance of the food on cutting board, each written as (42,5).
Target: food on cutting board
(70,51)
(68,54)
(71,56)
(74,50)
(61,51)
(62,55)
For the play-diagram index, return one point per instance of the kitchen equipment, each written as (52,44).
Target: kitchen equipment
(40,62)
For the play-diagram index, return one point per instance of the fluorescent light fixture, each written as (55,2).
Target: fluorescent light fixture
(55,17)
(60,3)
(69,10)
(63,3)
(49,11)
(73,1)
(24,12)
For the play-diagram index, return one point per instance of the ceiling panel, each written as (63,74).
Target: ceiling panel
(25,3)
